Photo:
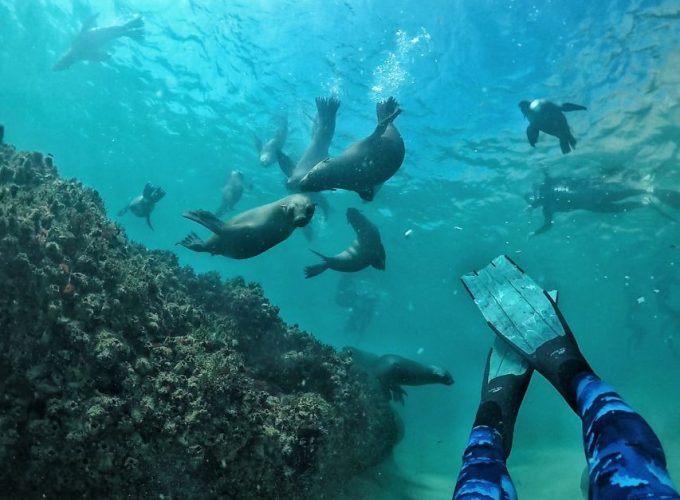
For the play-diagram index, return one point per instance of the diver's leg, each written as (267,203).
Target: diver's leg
(615,207)
(624,456)
(484,473)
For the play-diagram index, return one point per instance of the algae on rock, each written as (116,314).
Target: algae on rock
(124,375)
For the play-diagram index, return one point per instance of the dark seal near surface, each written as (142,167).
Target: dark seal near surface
(251,232)
(548,117)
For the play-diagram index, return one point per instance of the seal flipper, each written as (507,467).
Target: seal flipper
(206,219)
(567,142)
(316,269)
(285,163)
(326,108)
(148,221)
(192,242)
(568,106)
(367,194)
(2,133)
(134,29)
(532,134)
(397,393)
(387,111)
(547,221)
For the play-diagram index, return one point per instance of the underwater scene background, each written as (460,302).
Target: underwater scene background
(180,108)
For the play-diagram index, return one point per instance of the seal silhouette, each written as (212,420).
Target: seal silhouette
(367,249)
(393,371)
(252,232)
(365,164)
(90,44)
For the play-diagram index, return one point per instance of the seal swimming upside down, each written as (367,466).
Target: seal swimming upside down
(548,117)
(252,232)
(364,165)
(367,249)
(269,150)
(231,193)
(143,205)
(90,43)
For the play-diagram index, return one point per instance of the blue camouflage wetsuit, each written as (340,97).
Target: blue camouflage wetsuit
(624,455)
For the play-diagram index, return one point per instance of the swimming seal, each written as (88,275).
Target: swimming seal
(366,164)
(548,117)
(268,151)
(90,43)
(143,205)
(231,193)
(367,249)
(393,371)
(251,232)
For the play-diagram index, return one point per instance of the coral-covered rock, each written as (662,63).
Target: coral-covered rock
(124,375)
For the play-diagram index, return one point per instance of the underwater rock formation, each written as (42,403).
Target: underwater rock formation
(124,375)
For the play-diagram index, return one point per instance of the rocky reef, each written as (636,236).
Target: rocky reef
(123,374)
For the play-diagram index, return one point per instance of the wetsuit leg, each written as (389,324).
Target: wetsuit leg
(624,455)
(484,475)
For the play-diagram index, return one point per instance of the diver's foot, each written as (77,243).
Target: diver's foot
(528,319)
(506,379)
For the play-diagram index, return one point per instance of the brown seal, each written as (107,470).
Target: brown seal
(366,164)
(367,249)
(251,232)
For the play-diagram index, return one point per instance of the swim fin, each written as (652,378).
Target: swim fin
(506,379)
(526,317)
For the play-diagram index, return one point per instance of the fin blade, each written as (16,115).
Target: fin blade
(367,194)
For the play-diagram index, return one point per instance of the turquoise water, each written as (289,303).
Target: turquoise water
(180,110)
